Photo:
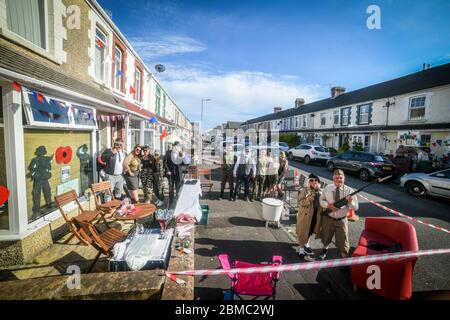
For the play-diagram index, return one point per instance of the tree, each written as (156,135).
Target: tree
(344,147)
(358,146)
(290,138)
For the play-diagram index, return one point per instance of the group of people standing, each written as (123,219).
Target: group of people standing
(260,176)
(142,167)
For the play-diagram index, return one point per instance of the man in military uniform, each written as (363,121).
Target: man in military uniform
(228,161)
(261,169)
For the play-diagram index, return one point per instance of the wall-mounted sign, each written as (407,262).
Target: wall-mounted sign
(65,173)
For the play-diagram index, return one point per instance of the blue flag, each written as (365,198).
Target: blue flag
(119,73)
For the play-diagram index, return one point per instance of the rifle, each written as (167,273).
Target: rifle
(344,202)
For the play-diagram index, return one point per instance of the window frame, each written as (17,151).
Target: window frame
(102,63)
(117,48)
(336,117)
(343,110)
(304,121)
(360,113)
(323,118)
(138,84)
(71,125)
(424,107)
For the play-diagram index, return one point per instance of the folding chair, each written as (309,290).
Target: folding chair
(69,197)
(205,178)
(108,207)
(255,284)
(103,242)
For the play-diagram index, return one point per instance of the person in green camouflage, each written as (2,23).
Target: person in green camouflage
(227,171)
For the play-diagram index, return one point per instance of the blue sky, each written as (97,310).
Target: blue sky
(249,56)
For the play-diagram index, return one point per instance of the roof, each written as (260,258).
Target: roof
(433,77)
(233,124)
(421,126)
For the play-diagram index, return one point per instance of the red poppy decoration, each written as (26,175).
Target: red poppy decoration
(63,155)
(132,91)
(4,194)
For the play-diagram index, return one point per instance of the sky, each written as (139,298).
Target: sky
(249,56)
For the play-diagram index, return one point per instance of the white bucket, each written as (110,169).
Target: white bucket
(272,209)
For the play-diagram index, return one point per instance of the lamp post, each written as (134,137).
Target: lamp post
(201,117)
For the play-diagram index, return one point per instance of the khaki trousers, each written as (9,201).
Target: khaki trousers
(339,228)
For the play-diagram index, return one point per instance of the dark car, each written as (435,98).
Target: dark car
(366,165)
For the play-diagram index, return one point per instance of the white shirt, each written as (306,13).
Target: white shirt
(327,197)
(175,156)
(118,167)
(248,159)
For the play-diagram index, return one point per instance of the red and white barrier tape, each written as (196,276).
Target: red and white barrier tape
(309,265)
(404,215)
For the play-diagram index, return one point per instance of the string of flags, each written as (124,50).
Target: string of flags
(79,111)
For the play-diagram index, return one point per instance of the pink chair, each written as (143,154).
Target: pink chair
(257,284)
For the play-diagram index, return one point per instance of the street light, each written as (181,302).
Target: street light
(201,117)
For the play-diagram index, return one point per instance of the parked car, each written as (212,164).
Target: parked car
(283,146)
(309,153)
(333,152)
(366,165)
(423,184)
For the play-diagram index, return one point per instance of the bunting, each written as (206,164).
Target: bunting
(16,86)
(132,91)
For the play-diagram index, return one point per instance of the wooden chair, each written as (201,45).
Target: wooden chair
(193,172)
(105,208)
(103,242)
(69,197)
(205,178)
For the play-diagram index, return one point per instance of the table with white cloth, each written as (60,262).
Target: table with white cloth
(188,201)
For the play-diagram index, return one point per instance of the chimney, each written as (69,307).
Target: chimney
(423,67)
(277,109)
(299,102)
(335,91)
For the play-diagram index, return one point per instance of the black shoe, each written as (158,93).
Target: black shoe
(308,250)
(305,257)
(323,254)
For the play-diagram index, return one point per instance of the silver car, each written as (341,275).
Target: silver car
(422,184)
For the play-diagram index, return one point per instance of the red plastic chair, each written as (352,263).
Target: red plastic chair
(256,285)
(396,275)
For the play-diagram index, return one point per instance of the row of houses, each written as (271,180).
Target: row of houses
(412,110)
(71,83)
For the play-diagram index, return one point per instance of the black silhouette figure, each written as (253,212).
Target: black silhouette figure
(85,168)
(40,173)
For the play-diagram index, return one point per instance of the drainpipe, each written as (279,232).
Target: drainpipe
(378,141)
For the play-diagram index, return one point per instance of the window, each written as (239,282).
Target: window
(417,108)
(83,116)
(323,118)
(304,120)
(137,84)
(26,18)
(347,156)
(117,71)
(320,149)
(4,212)
(164,105)
(305,147)
(296,122)
(345,119)
(425,140)
(336,117)
(100,44)
(364,111)
(442,174)
(158,101)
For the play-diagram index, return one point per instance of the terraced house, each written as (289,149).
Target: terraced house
(70,84)
(413,110)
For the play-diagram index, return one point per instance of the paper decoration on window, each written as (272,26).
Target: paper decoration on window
(4,194)
(39,96)
(63,155)
(100,44)
(118,73)
(132,91)
(16,86)
(439,142)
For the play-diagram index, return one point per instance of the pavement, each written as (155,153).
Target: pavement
(237,228)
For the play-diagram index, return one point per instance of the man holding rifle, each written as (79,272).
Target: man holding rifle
(335,221)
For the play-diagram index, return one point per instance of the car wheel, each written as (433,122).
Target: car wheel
(290,156)
(307,159)
(330,166)
(364,175)
(416,189)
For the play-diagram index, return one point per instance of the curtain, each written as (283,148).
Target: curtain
(26,18)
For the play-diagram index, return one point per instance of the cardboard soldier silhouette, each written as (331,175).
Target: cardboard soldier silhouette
(40,173)
(85,168)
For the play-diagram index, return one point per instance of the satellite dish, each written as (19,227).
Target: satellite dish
(160,68)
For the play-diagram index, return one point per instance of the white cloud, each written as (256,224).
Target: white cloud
(239,95)
(166,45)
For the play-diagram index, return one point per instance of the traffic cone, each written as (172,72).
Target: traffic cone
(351,215)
